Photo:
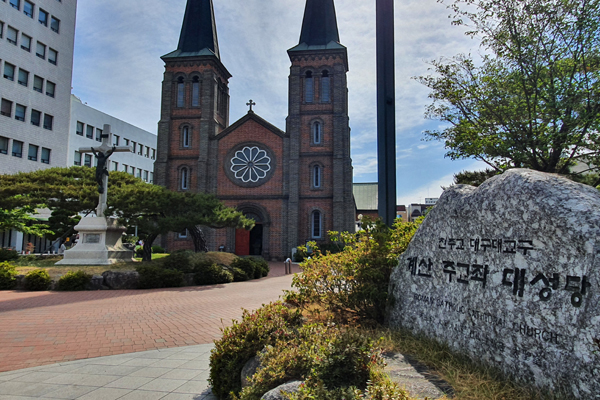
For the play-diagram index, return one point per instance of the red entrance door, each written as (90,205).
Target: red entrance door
(242,242)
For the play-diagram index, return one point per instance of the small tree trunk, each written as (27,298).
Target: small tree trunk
(199,240)
(147,254)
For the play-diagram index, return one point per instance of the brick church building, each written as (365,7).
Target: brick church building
(296,184)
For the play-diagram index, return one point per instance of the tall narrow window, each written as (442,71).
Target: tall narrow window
(116,140)
(317,133)
(184,178)
(52,56)
(185,139)
(38,84)
(325,87)
(50,88)
(6,108)
(45,155)
(79,129)
(316,176)
(316,224)
(16,4)
(40,50)
(1,29)
(3,145)
(9,71)
(77,158)
(25,42)
(48,121)
(89,132)
(11,35)
(115,166)
(180,93)
(87,160)
(151,177)
(196,92)
(55,24)
(28,9)
(23,77)
(153,154)
(309,92)
(145,176)
(20,112)
(33,152)
(43,17)
(17,149)
(99,135)
(36,117)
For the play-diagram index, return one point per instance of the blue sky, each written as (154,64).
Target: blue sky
(117,69)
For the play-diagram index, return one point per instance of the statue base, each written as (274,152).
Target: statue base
(99,243)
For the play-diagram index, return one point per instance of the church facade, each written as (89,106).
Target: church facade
(296,184)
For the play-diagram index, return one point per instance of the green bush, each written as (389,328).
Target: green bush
(158,249)
(212,274)
(74,281)
(238,274)
(246,264)
(243,340)
(8,255)
(37,280)
(179,261)
(8,273)
(261,267)
(153,277)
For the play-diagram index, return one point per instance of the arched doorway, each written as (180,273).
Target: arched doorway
(250,243)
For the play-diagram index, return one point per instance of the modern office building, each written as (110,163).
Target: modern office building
(36,64)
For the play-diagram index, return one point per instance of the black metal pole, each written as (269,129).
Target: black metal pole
(386,111)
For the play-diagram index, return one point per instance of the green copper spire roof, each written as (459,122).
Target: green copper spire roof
(319,28)
(199,31)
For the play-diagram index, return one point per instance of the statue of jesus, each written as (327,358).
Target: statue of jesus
(101,168)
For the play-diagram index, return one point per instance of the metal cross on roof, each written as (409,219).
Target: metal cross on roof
(251,103)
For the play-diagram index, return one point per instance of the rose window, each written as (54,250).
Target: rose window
(250,164)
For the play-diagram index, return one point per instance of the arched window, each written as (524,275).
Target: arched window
(316,176)
(196,92)
(184,178)
(317,133)
(180,92)
(315,222)
(185,136)
(325,87)
(309,92)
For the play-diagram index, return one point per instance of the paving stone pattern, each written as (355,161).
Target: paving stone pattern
(41,328)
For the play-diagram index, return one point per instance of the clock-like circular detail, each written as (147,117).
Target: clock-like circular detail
(250,165)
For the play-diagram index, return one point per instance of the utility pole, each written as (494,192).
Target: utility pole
(386,111)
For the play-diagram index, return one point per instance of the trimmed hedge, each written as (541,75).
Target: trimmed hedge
(8,273)
(154,277)
(37,280)
(8,255)
(179,261)
(212,274)
(74,281)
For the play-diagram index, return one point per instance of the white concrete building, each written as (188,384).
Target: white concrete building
(86,128)
(36,64)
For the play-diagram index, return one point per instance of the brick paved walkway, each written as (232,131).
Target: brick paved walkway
(39,328)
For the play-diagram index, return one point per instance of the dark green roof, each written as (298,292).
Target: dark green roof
(319,28)
(198,32)
(366,196)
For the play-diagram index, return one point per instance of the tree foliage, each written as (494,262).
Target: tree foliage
(21,220)
(534,100)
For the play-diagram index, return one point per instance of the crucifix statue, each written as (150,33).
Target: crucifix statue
(102,154)
(251,103)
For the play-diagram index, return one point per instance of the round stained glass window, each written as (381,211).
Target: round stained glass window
(250,164)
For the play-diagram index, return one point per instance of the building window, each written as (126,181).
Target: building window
(11,35)
(48,121)
(77,158)
(28,9)
(40,50)
(183,234)
(87,160)
(184,179)
(45,155)
(23,77)
(147,154)
(115,166)
(316,222)
(196,92)
(38,84)
(3,145)
(1,29)
(153,154)
(316,176)
(17,149)
(141,150)
(99,135)
(180,93)
(20,112)
(16,4)
(139,173)
(317,133)
(6,108)
(151,177)
(145,176)
(133,147)
(52,56)
(126,141)
(55,24)
(9,71)
(25,42)
(132,171)
(325,87)
(116,140)
(309,92)
(50,88)
(36,117)
(33,152)
(89,132)
(43,17)
(185,136)
(79,129)
(124,167)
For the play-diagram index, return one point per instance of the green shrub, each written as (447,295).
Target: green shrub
(246,264)
(238,274)
(8,273)
(153,277)
(8,255)
(212,275)
(179,261)
(243,340)
(74,281)
(37,280)
(158,249)
(261,267)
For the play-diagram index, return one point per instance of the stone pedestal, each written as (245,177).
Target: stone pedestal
(99,243)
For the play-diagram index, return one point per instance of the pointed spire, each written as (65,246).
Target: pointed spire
(320,24)
(199,31)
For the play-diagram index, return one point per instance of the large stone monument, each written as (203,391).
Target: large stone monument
(510,274)
(99,236)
